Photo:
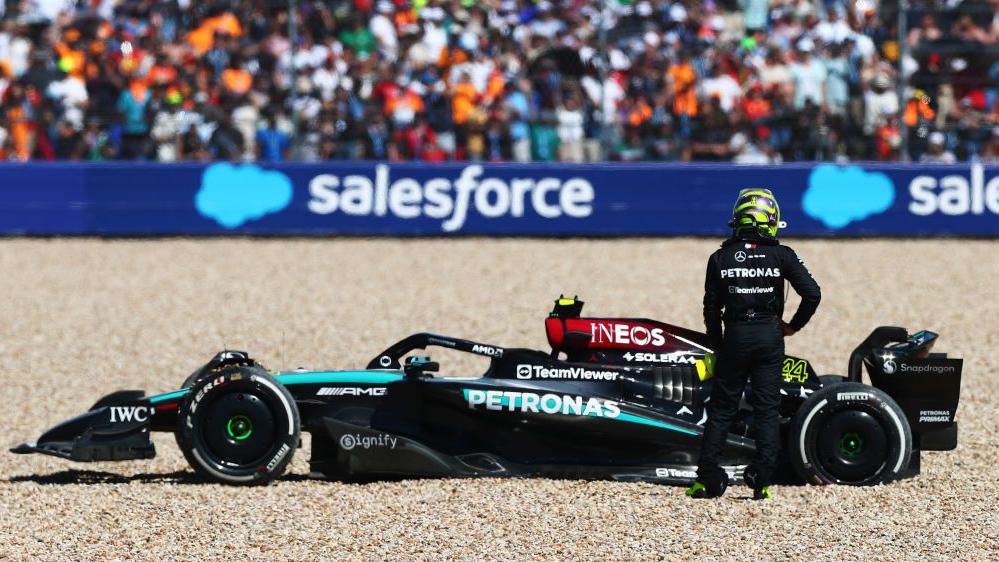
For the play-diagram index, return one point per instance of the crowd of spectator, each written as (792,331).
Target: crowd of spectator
(751,81)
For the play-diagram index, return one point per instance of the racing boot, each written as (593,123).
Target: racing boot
(759,482)
(707,488)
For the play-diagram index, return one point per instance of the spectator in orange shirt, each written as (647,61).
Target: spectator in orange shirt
(202,38)
(19,121)
(755,105)
(463,99)
(494,87)
(918,109)
(405,18)
(70,60)
(162,72)
(403,105)
(684,80)
(236,79)
(638,111)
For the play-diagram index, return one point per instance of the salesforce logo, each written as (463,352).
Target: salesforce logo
(449,201)
(955,195)
(232,195)
(837,196)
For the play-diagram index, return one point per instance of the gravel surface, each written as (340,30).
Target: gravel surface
(86,317)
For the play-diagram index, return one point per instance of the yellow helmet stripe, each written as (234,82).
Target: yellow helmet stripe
(759,192)
(756,204)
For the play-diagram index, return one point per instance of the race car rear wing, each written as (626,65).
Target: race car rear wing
(927,386)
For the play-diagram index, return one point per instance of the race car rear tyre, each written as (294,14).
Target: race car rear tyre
(849,433)
(827,380)
(239,426)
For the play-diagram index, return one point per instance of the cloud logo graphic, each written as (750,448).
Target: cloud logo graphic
(232,195)
(837,196)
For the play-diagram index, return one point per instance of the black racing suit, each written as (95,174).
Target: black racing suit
(744,287)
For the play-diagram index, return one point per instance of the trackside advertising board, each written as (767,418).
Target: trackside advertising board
(370,198)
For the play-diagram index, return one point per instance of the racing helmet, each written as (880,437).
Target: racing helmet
(756,211)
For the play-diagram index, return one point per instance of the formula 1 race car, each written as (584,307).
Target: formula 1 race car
(614,398)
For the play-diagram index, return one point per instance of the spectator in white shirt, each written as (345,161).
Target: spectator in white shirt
(570,117)
(724,87)
(809,75)
(936,152)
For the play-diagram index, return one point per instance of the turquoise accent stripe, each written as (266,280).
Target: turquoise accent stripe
(623,416)
(333,377)
(646,421)
(167,396)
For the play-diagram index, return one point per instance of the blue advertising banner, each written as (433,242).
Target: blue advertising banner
(371,198)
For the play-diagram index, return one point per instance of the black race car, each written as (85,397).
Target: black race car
(614,398)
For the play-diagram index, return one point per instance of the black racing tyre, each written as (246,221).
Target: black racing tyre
(827,380)
(239,426)
(192,378)
(849,433)
(222,359)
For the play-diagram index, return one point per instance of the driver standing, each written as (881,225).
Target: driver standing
(744,289)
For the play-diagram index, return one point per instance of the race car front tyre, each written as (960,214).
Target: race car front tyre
(192,378)
(849,433)
(239,426)
(221,360)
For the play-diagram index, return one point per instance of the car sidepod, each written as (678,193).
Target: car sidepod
(529,414)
